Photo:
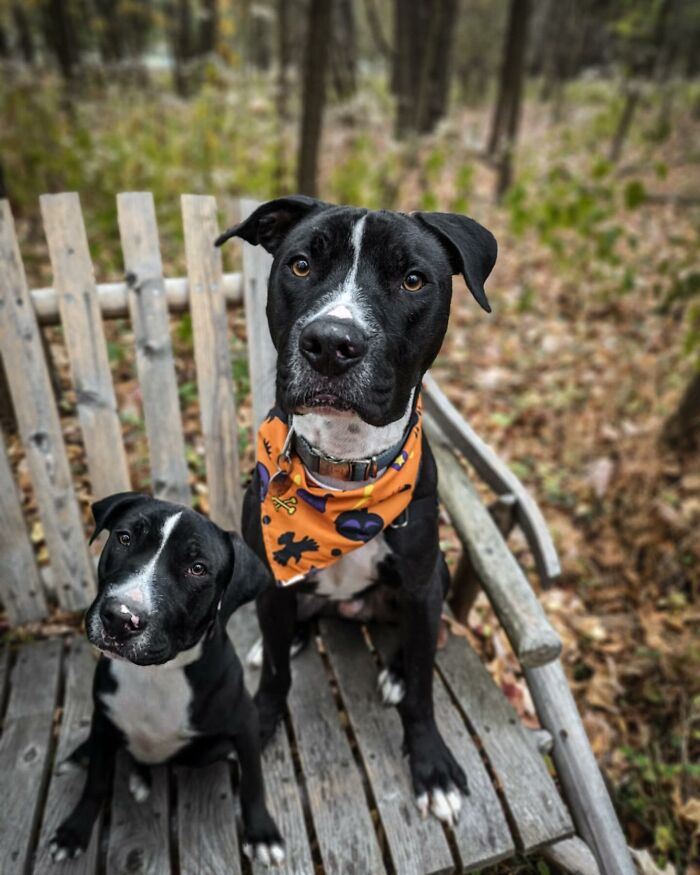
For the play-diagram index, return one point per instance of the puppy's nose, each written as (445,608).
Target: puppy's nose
(332,346)
(121,621)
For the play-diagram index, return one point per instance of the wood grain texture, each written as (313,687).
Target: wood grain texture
(40,428)
(139,834)
(113,298)
(537,811)
(533,638)
(64,790)
(281,787)
(262,356)
(416,846)
(74,280)
(482,835)
(154,354)
(578,771)
(572,856)
(217,401)
(497,475)
(343,825)
(21,589)
(206,822)
(25,749)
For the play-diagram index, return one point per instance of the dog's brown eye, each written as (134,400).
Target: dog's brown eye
(198,569)
(124,538)
(300,267)
(413,282)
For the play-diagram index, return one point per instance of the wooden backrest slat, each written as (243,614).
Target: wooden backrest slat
(212,355)
(39,425)
(154,352)
(74,280)
(20,585)
(262,356)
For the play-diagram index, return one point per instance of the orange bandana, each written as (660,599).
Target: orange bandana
(307,527)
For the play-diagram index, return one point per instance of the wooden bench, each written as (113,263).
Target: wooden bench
(336,778)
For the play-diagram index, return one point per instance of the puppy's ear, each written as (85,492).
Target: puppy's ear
(249,578)
(472,249)
(107,510)
(268,225)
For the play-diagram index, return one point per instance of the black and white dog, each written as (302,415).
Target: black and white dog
(358,305)
(168,686)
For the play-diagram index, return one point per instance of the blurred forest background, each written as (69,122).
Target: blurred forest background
(571,128)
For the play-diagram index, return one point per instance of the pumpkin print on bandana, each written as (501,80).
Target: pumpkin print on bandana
(309,528)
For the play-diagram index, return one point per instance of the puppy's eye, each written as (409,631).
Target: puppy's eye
(124,538)
(199,569)
(300,267)
(413,281)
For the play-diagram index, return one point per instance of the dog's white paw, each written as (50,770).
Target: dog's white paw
(267,854)
(138,787)
(446,806)
(391,687)
(59,852)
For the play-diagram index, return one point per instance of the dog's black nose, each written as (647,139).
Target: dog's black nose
(332,346)
(121,621)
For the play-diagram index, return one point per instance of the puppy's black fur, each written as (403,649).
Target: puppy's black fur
(168,582)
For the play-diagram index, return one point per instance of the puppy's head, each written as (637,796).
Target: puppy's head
(358,301)
(165,575)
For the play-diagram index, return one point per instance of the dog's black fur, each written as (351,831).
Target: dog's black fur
(387,358)
(147,619)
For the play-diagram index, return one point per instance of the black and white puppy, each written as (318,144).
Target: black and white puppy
(358,305)
(168,686)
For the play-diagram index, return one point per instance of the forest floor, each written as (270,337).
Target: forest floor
(570,380)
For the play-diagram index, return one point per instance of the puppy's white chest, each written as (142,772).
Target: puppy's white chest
(151,707)
(353,572)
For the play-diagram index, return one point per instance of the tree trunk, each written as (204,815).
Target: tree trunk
(632,94)
(681,431)
(375,28)
(181,33)
(209,27)
(24,33)
(60,34)
(344,59)
(282,96)
(314,93)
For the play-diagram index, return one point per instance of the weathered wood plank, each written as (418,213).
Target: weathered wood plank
(482,835)
(113,298)
(262,356)
(282,790)
(24,749)
(346,837)
(40,427)
(217,402)
(534,640)
(578,771)
(536,809)
(498,476)
(65,789)
(74,280)
(572,856)
(21,590)
(206,822)
(139,834)
(4,677)
(417,847)
(154,353)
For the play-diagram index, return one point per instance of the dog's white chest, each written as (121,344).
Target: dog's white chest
(353,572)
(151,707)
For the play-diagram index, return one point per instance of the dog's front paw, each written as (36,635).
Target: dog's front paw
(67,843)
(262,842)
(391,687)
(264,852)
(438,781)
(270,715)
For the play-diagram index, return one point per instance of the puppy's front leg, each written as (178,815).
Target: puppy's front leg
(73,835)
(277,611)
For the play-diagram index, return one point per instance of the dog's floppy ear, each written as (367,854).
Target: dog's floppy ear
(249,578)
(472,249)
(107,510)
(268,225)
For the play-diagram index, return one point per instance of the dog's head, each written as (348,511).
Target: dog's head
(358,301)
(165,575)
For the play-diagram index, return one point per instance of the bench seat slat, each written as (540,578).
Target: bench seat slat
(74,280)
(40,428)
(154,353)
(212,355)
(65,789)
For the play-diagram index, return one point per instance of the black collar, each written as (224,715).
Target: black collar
(353,470)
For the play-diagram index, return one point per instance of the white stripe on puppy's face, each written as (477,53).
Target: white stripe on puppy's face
(138,589)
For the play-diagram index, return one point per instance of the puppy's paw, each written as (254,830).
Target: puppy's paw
(67,843)
(262,842)
(139,786)
(391,687)
(446,805)
(438,781)
(262,852)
